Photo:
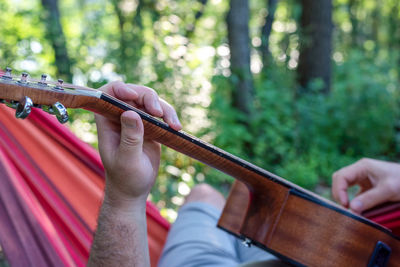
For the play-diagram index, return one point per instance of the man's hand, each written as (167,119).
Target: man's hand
(379,182)
(131,162)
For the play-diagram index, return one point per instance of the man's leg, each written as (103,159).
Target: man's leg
(206,194)
(194,239)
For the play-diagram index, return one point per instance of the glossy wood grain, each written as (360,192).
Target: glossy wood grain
(306,232)
(235,209)
(43,95)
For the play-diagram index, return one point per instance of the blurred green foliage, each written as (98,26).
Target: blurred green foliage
(185,57)
(305,138)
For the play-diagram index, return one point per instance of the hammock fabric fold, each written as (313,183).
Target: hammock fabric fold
(52,188)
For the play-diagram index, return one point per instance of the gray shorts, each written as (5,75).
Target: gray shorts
(194,240)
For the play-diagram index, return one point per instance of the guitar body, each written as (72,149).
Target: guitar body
(304,232)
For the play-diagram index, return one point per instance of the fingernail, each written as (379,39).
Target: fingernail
(129,122)
(356,205)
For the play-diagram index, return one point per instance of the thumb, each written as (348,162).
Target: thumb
(131,143)
(368,199)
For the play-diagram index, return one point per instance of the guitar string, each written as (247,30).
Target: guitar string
(64,85)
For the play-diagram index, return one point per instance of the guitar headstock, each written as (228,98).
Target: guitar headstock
(24,93)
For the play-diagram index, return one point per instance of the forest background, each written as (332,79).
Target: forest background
(298,87)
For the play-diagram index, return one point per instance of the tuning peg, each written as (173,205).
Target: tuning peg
(24,77)
(61,112)
(7,75)
(59,85)
(43,79)
(24,108)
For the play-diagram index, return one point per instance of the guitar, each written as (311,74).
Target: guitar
(268,211)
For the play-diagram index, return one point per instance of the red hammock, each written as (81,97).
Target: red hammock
(51,189)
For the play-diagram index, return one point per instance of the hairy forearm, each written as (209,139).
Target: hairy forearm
(121,237)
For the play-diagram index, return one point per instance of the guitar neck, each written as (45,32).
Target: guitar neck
(264,186)
(191,146)
(48,93)
(204,152)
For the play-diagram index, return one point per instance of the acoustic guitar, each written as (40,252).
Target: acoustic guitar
(265,210)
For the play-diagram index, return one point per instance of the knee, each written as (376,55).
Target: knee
(207,194)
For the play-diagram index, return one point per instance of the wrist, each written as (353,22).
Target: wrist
(121,203)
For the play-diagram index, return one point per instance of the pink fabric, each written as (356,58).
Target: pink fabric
(387,215)
(52,187)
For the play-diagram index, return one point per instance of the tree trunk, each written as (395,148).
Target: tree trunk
(131,41)
(55,35)
(137,19)
(239,45)
(316,43)
(266,32)
(121,23)
(352,10)
(394,20)
(375,26)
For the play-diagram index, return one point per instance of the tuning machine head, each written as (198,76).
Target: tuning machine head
(58,110)
(59,85)
(61,112)
(7,75)
(43,79)
(24,78)
(24,108)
